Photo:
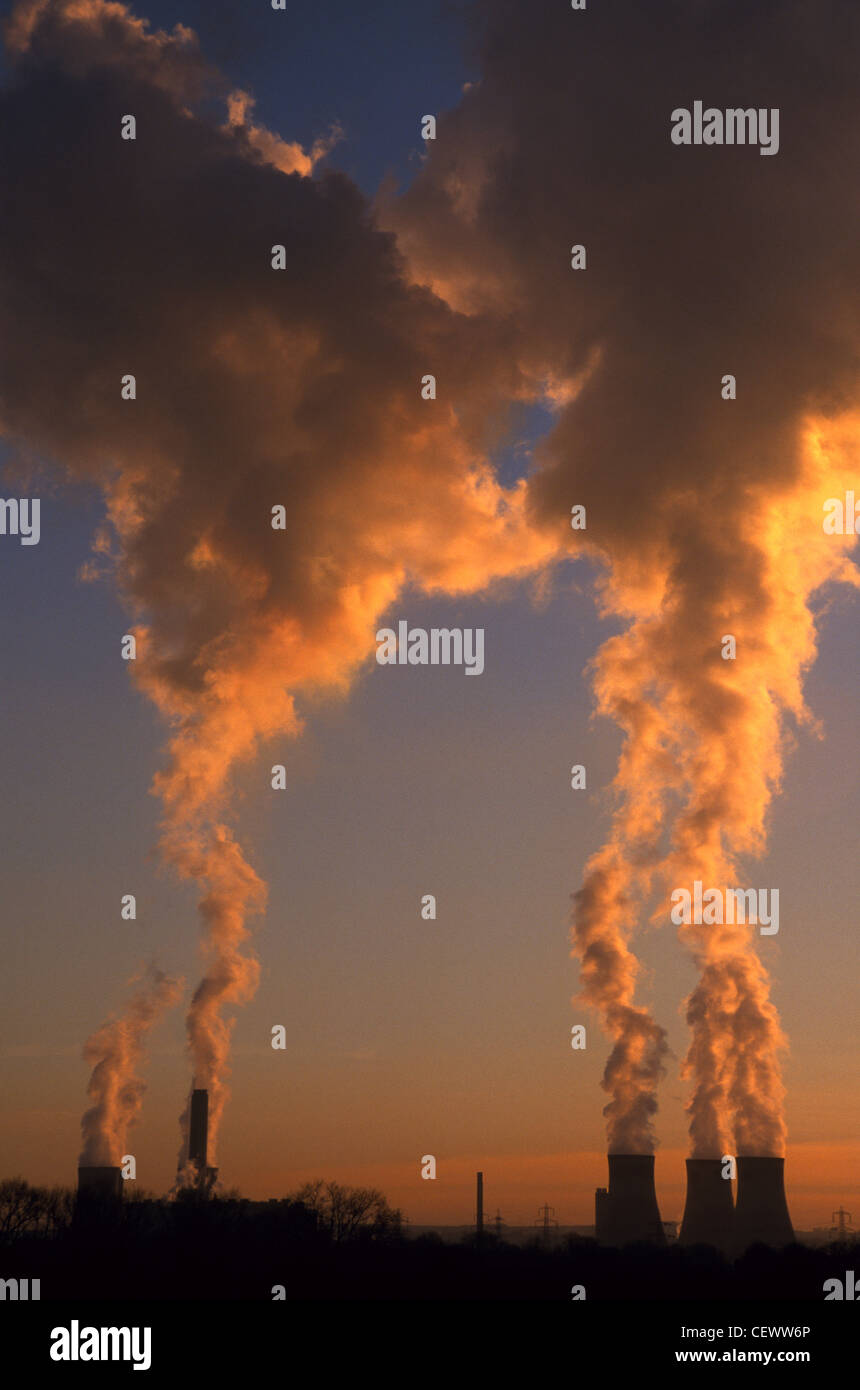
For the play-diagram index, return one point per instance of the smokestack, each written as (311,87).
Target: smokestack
(601,1215)
(202,1177)
(630,1205)
(198,1130)
(761,1213)
(480,1222)
(709,1210)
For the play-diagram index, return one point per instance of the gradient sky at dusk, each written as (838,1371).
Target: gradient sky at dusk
(404,1037)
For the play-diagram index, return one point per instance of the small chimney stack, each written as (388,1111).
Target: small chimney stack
(628,1212)
(761,1211)
(479,1227)
(709,1209)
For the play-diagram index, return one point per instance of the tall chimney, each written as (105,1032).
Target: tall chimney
(198,1130)
(709,1210)
(480,1222)
(630,1206)
(761,1212)
(602,1232)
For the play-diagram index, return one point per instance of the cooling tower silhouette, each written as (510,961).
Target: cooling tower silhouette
(99,1184)
(709,1209)
(628,1211)
(761,1212)
(601,1215)
(99,1199)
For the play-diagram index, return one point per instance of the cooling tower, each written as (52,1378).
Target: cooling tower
(198,1129)
(100,1185)
(761,1212)
(99,1199)
(630,1207)
(709,1210)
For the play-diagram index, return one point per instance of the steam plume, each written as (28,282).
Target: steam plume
(234,891)
(704,513)
(255,389)
(116,1050)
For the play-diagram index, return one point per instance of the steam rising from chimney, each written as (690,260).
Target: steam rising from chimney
(255,391)
(116,1050)
(704,511)
(704,514)
(194,1170)
(234,891)
(602,922)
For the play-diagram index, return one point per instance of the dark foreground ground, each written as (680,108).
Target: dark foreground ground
(233,1249)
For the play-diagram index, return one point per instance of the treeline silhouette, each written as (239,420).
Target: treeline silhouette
(327,1241)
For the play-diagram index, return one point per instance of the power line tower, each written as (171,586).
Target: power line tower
(498,1223)
(546,1221)
(841,1228)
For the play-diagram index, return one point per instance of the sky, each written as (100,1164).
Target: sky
(404,1037)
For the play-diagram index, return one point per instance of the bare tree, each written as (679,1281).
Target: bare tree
(28,1210)
(59,1207)
(345,1212)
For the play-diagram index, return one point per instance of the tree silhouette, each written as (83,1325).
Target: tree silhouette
(346,1212)
(28,1210)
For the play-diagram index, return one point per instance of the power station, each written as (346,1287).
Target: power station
(761,1212)
(709,1209)
(626,1212)
(99,1196)
(99,1184)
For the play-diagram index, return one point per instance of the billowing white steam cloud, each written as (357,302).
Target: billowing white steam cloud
(704,512)
(116,1050)
(255,389)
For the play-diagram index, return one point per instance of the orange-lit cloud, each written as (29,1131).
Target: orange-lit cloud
(704,511)
(116,1051)
(286,155)
(255,389)
(300,389)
